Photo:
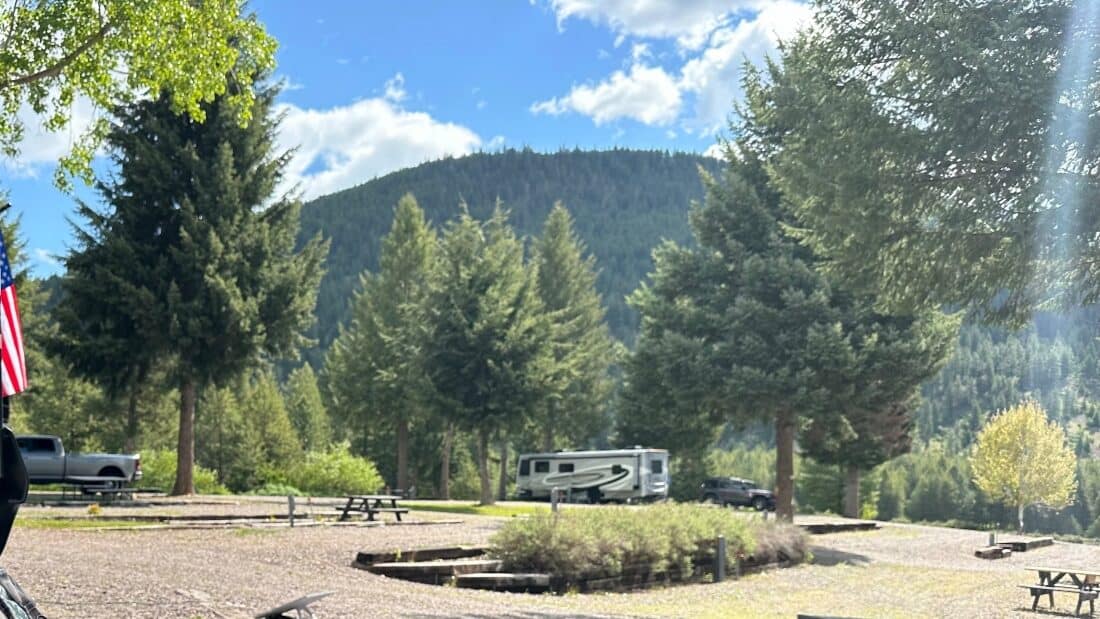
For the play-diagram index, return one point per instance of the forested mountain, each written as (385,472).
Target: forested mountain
(624,203)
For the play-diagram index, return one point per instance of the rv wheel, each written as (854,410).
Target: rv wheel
(593,495)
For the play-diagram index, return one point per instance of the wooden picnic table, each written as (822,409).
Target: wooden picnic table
(371,504)
(1085,583)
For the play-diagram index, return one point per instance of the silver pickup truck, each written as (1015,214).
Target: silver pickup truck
(47,463)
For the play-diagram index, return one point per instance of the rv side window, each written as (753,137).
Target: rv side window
(524,468)
(657,467)
(565,467)
(542,466)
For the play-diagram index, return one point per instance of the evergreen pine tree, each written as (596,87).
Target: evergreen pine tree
(375,367)
(307,411)
(583,349)
(488,350)
(265,412)
(194,257)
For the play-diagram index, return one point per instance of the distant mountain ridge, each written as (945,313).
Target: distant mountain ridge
(624,203)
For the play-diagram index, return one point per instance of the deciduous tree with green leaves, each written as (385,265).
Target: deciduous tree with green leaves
(1021,458)
(576,407)
(117,52)
(488,350)
(197,253)
(376,367)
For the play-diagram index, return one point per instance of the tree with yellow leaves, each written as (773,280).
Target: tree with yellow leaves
(1021,458)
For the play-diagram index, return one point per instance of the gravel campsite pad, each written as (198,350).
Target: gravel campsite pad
(897,571)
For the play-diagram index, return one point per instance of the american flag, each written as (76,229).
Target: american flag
(13,370)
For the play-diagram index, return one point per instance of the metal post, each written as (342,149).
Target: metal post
(992,538)
(290,502)
(554,499)
(720,560)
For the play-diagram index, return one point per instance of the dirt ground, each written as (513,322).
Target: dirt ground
(897,571)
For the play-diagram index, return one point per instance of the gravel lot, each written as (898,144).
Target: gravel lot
(898,571)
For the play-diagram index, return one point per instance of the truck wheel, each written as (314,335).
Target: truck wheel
(710,499)
(112,471)
(759,503)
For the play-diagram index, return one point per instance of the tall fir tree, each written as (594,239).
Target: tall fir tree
(488,351)
(576,408)
(231,445)
(307,410)
(265,412)
(194,252)
(376,368)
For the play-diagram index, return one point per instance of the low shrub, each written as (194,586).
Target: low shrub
(601,542)
(276,489)
(158,470)
(334,472)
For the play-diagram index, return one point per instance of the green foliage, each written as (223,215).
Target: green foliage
(487,351)
(263,407)
(306,410)
(576,408)
(185,48)
(276,489)
(159,471)
(197,273)
(1021,458)
(334,472)
(375,368)
(606,541)
(624,202)
(926,148)
(231,444)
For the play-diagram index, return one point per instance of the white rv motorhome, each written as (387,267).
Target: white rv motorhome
(613,475)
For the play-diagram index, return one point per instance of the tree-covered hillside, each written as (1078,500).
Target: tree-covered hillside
(624,203)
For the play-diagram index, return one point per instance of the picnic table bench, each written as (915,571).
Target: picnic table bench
(371,504)
(1085,583)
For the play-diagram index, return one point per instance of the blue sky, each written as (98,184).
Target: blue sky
(374,87)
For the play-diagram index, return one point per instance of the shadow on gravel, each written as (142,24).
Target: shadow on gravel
(830,557)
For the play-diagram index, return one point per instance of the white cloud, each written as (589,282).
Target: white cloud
(395,88)
(716,38)
(647,94)
(41,148)
(687,21)
(46,257)
(714,76)
(344,146)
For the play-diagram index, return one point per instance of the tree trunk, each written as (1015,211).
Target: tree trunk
(1020,517)
(130,445)
(445,463)
(403,454)
(185,451)
(784,466)
(851,491)
(502,487)
(483,467)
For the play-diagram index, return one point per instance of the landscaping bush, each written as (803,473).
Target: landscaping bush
(276,489)
(159,471)
(334,472)
(600,542)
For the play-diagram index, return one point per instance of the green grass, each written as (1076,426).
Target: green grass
(75,523)
(499,511)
